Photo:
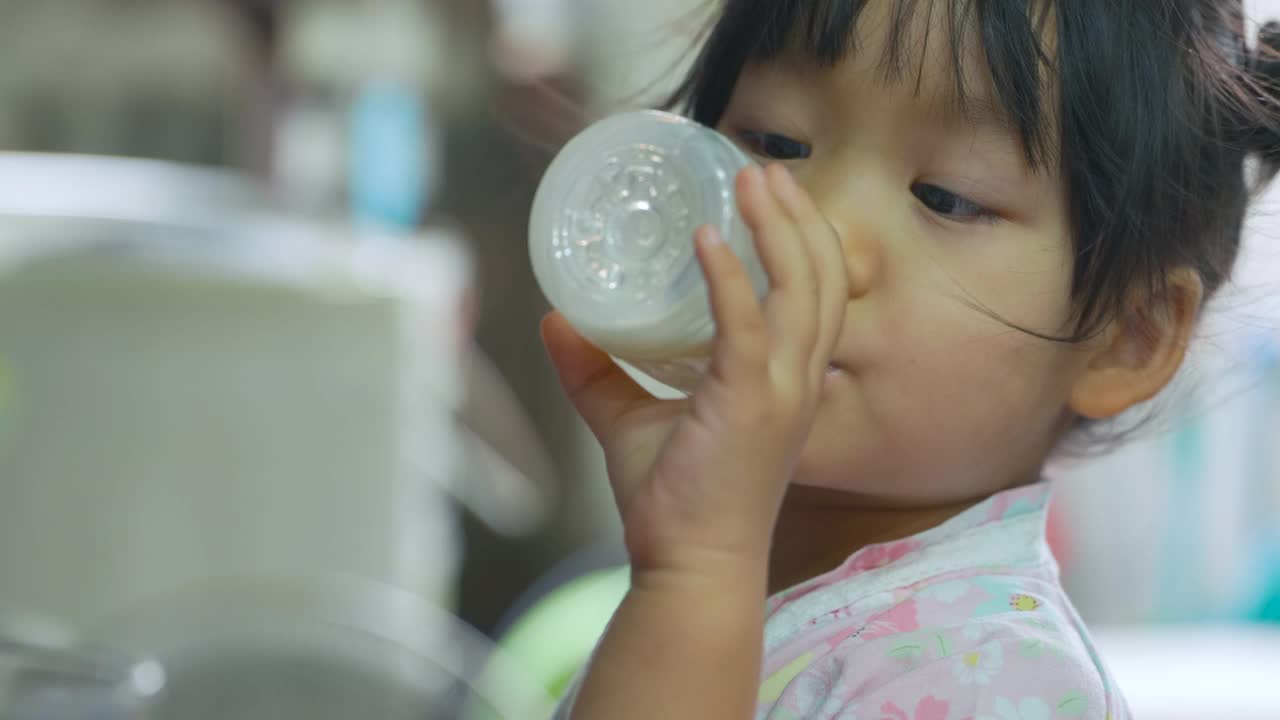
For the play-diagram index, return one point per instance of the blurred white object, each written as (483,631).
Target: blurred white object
(510,480)
(334,42)
(636,53)
(218,421)
(1200,673)
(161,79)
(204,390)
(534,38)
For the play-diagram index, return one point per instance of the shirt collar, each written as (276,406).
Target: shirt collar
(1001,507)
(1007,505)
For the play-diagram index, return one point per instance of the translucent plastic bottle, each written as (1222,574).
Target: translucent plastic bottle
(612,238)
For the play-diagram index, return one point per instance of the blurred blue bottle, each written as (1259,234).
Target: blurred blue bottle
(393,156)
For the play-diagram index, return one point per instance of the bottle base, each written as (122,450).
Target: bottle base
(682,374)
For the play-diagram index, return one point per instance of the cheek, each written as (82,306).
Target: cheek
(1021,279)
(954,376)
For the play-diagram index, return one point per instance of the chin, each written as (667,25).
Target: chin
(851,461)
(834,468)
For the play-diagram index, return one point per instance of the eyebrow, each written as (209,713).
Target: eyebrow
(979,113)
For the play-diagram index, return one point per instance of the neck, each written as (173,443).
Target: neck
(818,529)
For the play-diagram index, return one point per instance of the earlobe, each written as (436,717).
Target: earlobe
(1140,352)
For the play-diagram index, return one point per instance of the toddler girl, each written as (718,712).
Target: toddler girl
(989,225)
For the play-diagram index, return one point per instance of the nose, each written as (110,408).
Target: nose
(851,211)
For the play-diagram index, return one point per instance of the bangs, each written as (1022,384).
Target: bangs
(1008,33)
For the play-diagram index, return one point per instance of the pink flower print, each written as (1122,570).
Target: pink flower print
(878,556)
(901,618)
(893,712)
(929,708)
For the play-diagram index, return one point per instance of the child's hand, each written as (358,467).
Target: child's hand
(699,482)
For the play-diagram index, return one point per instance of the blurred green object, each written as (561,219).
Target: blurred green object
(8,397)
(554,639)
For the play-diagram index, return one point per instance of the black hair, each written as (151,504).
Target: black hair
(1152,108)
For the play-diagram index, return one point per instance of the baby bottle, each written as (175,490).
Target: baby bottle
(611,238)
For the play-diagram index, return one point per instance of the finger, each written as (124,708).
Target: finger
(791,307)
(599,389)
(829,264)
(742,346)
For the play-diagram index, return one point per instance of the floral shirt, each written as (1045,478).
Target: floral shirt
(967,621)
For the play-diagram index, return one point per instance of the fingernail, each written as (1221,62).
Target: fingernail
(711,237)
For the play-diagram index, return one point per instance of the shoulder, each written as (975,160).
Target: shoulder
(977,646)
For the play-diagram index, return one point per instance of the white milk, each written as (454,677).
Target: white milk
(611,238)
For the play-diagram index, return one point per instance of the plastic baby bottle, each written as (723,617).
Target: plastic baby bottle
(612,238)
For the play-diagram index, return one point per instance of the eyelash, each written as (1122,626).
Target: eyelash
(973,212)
(780,147)
(775,146)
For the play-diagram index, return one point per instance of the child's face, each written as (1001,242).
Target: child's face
(941,217)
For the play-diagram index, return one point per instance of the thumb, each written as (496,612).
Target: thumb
(599,389)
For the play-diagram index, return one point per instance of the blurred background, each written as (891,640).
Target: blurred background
(277,435)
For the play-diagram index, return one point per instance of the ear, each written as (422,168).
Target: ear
(1140,351)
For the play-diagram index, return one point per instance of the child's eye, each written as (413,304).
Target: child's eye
(950,205)
(775,146)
